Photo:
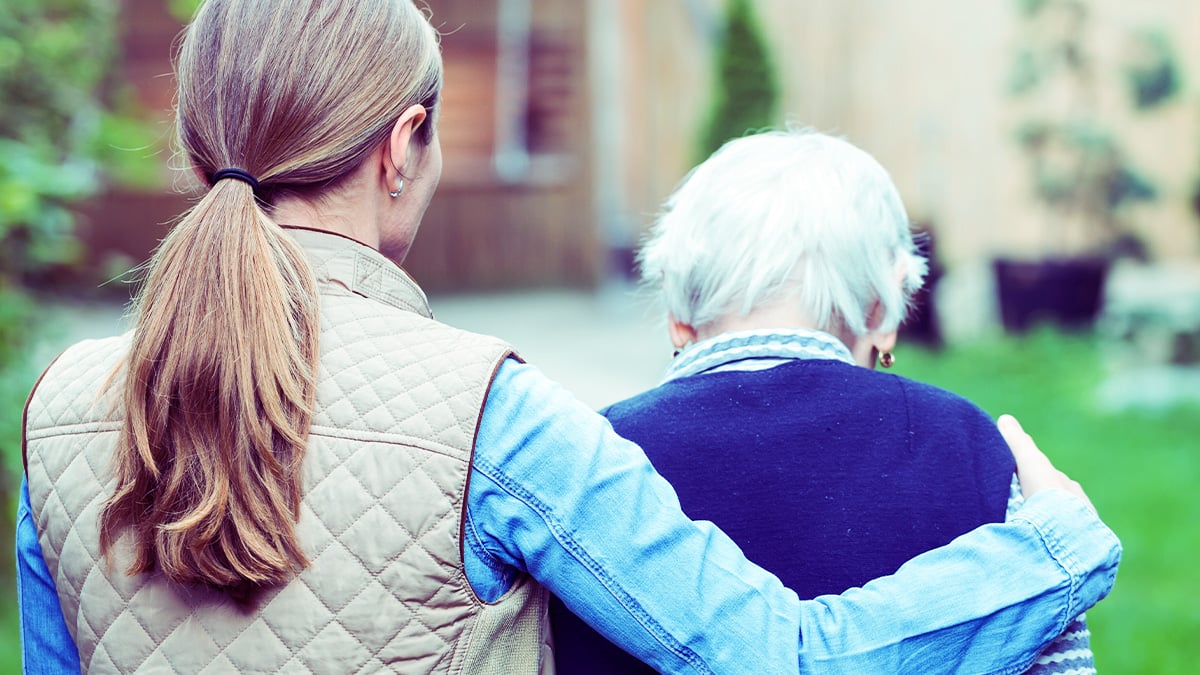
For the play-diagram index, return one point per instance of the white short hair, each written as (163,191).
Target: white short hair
(785,215)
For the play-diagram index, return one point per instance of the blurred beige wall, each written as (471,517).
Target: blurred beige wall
(921,84)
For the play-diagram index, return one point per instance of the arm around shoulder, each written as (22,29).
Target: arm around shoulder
(989,601)
(561,497)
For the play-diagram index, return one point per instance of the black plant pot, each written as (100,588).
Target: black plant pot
(1066,292)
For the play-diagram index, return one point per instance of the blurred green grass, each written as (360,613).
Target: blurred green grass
(1141,470)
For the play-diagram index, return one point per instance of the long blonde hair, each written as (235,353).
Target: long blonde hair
(219,384)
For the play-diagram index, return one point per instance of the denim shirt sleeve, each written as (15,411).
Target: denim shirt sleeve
(46,645)
(1072,650)
(555,493)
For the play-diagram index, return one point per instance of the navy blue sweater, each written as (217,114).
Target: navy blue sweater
(825,473)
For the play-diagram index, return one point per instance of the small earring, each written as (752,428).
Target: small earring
(399,188)
(887,359)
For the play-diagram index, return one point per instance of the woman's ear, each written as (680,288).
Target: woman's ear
(866,348)
(682,334)
(884,342)
(399,149)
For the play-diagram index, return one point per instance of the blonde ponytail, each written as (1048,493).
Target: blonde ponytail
(218,399)
(219,384)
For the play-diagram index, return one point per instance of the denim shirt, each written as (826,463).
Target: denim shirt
(554,493)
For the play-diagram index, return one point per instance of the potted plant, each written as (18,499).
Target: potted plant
(1079,174)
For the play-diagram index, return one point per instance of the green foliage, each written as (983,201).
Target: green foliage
(53,54)
(183,9)
(16,378)
(10,646)
(1095,175)
(59,140)
(1057,51)
(1153,75)
(1025,73)
(65,131)
(747,93)
(1030,8)
(1076,162)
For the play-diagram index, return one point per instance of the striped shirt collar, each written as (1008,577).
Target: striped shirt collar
(756,350)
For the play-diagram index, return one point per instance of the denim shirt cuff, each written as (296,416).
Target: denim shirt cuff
(1076,538)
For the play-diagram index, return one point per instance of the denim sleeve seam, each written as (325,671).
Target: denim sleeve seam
(1052,545)
(481,550)
(1061,557)
(563,537)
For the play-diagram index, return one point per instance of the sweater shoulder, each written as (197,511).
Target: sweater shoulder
(923,397)
(934,415)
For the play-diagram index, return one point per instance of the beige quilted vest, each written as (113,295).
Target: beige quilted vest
(385,476)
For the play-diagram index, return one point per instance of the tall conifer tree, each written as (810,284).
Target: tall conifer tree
(746,91)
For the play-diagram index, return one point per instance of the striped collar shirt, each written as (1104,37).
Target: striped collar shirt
(756,350)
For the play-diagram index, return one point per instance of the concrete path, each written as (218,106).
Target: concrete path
(603,345)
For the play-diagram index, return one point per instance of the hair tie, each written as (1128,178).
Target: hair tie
(236,174)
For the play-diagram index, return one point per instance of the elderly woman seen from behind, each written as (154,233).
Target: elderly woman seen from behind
(786,265)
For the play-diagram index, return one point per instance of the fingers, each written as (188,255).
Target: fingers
(1034,469)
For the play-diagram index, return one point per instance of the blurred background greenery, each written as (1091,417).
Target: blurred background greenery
(66,131)
(1140,468)
(73,130)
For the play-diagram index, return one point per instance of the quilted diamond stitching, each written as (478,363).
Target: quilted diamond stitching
(255,631)
(333,639)
(398,554)
(86,362)
(319,520)
(421,402)
(124,626)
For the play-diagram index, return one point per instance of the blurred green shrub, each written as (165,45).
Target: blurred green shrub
(65,127)
(183,9)
(747,91)
(16,311)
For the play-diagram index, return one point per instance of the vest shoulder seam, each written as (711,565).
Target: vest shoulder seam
(388,437)
(72,429)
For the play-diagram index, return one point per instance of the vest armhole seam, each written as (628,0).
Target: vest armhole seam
(460,653)
(506,354)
